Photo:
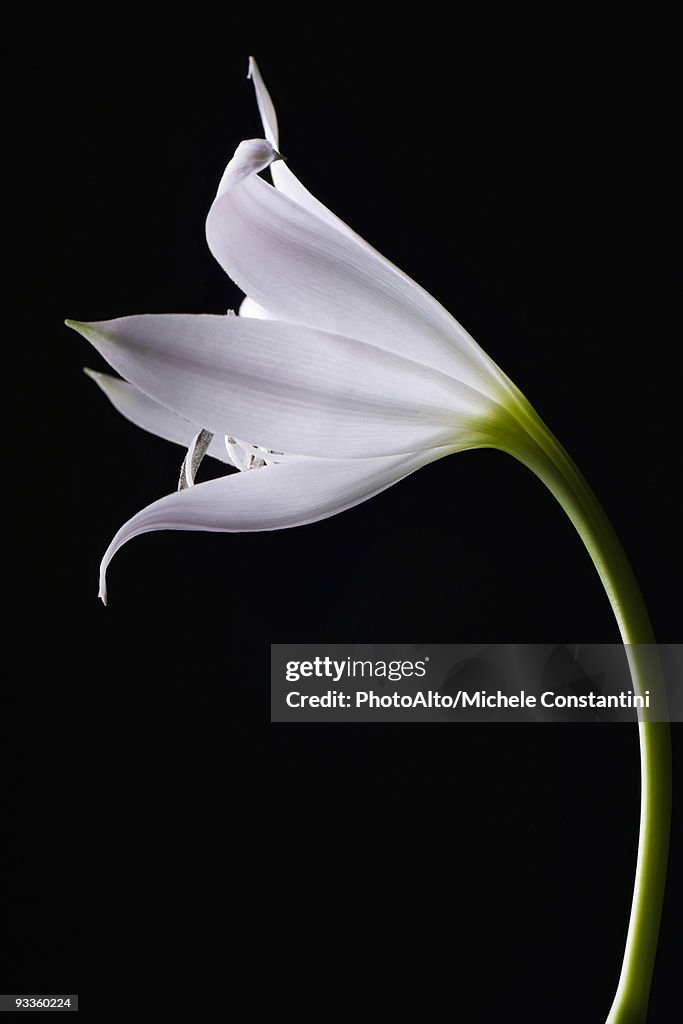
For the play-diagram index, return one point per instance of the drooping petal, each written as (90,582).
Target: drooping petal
(304,270)
(289,388)
(151,416)
(270,498)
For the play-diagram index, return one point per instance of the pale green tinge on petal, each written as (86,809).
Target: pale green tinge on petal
(151,416)
(290,388)
(272,498)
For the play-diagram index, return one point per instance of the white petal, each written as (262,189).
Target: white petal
(287,182)
(250,157)
(150,416)
(249,308)
(304,270)
(265,104)
(283,177)
(289,388)
(271,498)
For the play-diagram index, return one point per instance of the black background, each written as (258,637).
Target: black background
(160,834)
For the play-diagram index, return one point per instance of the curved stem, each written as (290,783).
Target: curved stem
(543,454)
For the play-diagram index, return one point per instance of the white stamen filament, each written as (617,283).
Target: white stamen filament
(245,456)
(192,461)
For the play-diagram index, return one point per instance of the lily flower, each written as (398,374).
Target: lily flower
(337,360)
(339,378)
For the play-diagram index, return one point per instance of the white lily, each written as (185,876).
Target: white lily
(350,368)
(337,358)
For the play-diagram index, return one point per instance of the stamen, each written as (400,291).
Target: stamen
(245,456)
(193,458)
(235,452)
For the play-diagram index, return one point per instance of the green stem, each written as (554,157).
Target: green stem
(543,454)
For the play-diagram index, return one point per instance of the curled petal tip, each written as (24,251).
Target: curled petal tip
(102,592)
(251,66)
(251,157)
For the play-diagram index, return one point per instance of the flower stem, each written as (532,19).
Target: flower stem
(543,454)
